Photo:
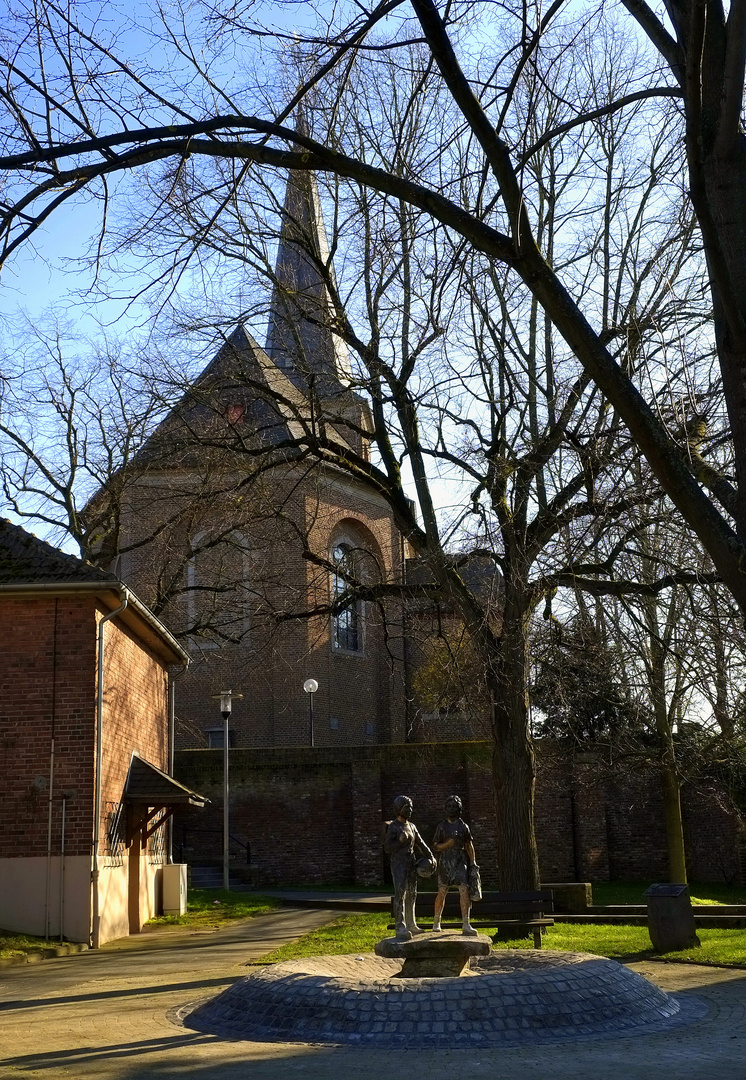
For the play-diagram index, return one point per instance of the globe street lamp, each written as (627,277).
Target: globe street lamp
(310,686)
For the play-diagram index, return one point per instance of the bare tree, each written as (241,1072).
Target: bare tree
(61,140)
(469,383)
(79,452)
(71,419)
(467,223)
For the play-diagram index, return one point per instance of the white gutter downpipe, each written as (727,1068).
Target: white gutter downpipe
(96,926)
(48,884)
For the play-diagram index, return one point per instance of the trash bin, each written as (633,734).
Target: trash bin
(670,918)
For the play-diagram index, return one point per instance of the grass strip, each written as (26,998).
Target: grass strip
(214,907)
(21,944)
(205,908)
(632,892)
(358,933)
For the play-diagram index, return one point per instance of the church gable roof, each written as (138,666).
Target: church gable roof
(267,397)
(241,395)
(240,398)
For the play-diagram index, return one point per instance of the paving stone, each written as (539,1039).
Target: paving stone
(495,1001)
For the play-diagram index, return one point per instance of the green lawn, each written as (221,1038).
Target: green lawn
(213,907)
(631,892)
(21,944)
(359,933)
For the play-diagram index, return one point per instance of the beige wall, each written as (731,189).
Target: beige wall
(114,897)
(24,890)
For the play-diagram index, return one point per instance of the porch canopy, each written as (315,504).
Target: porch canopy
(148,792)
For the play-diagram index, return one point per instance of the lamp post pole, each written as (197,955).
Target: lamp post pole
(310,686)
(225,709)
(226,704)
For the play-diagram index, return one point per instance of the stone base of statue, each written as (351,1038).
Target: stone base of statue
(434,956)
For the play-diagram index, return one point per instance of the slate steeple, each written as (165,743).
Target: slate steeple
(299,338)
(304,369)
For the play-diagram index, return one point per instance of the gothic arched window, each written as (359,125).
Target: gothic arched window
(347,623)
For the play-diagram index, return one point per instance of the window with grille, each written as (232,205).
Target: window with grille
(115,843)
(346,624)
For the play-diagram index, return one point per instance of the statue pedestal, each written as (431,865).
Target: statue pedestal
(434,956)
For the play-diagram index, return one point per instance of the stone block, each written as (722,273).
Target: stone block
(670,918)
(434,956)
(570,897)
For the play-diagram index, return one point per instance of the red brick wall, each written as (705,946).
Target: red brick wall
(135,715)
(291,815)
(361,698)
(311,816)
(48,685)
(47,680)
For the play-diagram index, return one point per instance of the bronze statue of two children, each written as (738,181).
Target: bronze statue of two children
(412,858)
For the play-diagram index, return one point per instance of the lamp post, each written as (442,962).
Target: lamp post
(226,706)
(310,686)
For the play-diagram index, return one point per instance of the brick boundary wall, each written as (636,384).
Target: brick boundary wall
(315,815)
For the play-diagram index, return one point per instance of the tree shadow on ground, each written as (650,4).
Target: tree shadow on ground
(104,995)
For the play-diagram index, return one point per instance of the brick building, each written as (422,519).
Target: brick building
(234,529)
(86,740)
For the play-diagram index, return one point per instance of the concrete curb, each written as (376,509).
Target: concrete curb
(69,948)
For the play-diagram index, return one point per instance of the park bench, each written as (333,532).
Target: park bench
(523,912)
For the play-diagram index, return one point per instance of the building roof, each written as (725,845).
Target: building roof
(480,573)
(30,566)
(26,558)
(240,395)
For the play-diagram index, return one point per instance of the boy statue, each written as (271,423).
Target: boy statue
(455,852)
(405,847)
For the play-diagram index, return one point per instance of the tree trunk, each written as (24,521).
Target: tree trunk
(513,768)
(674,826)
(722,199)
(668,771)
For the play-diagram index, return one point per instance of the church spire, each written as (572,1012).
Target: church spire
(299,340)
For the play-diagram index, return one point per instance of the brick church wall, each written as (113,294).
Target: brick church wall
(315,816)
(361,697)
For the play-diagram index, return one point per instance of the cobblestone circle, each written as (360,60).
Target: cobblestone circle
(511,998)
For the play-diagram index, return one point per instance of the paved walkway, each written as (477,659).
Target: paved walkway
(105,1015)
(332,899)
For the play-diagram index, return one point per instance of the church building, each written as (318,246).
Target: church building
(234,528)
